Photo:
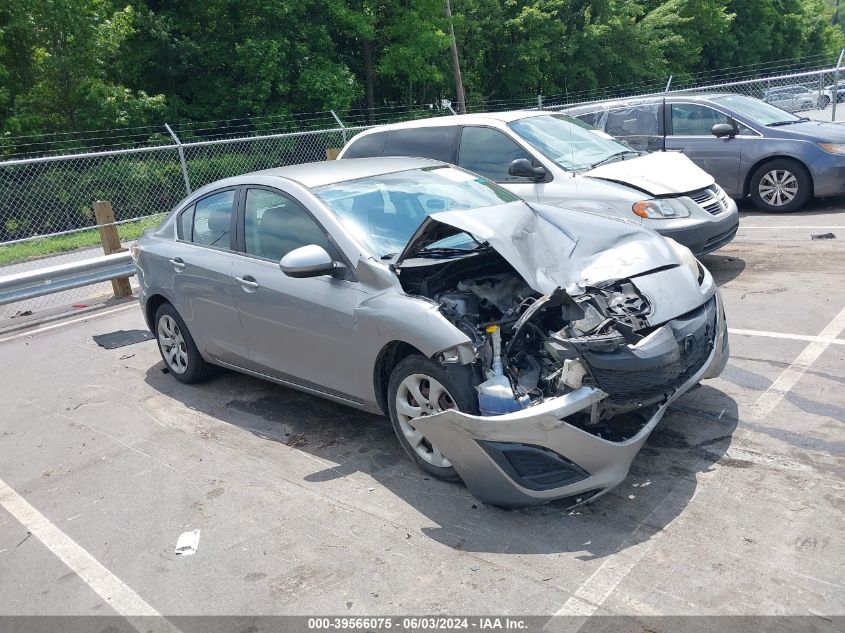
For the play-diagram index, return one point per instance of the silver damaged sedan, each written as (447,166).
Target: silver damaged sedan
(527,350)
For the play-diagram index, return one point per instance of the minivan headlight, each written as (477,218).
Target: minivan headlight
(660,209)
(833,148)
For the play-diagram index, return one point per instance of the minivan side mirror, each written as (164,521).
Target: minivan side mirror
(723,129)
(308,261)
(522,168)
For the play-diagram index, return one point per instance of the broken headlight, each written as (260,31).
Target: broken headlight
(660,209)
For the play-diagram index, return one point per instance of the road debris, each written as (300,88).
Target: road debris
(822,236)
(188,543)
(120,338)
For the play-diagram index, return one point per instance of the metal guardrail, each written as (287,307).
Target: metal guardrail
(51,279)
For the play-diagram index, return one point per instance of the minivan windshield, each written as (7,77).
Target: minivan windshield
(384,211)
(756,110)
(571,143)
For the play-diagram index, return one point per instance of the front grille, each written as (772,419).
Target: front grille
(712,199)
(640,386)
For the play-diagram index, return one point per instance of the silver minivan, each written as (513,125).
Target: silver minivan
(558,160)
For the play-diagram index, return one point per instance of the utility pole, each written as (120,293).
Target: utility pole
(456,64)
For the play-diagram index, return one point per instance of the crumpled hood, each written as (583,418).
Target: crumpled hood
(657,174)
(552,247)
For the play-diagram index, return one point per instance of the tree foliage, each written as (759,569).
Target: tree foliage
(86,64)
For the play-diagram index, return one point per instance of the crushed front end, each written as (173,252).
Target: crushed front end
(587,373)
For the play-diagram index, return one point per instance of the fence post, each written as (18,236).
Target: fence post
(181,158)
(539,102)
(451,109)
(835,92)
(668,83)
(340,123)
(104,216)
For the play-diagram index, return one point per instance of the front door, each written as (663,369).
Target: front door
(300,330)
(689,131)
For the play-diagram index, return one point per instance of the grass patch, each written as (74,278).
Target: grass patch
(34,249)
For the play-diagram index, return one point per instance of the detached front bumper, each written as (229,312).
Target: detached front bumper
(534,456)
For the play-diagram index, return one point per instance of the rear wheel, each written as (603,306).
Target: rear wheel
(780,186)
(824,101)
(420,387)
(177,347)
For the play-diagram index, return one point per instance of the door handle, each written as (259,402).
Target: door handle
(178,264)
(248,282)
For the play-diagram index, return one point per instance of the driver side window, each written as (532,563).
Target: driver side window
(274,225)
(489,152)
(690,119)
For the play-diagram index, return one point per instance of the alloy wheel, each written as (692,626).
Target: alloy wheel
(778,187)
(172,344)
(419,395)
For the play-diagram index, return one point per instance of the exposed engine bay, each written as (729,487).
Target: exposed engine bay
(555,343)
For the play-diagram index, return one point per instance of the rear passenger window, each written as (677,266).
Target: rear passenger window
(489,152)
(212,220)
(367,146)
(437,143)
(639,125)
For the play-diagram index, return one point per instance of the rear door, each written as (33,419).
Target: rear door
(689,131)
(299,330)
(201,275)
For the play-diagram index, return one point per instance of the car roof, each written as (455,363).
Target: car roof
(328,172)
(479,118)
(634,100)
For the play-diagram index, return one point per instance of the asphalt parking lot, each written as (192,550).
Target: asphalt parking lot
(734,507)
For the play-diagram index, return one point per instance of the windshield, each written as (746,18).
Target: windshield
(571,143)
(384,211)
(756,110)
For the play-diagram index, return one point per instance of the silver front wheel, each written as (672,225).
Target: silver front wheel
(419,395)
(778,187)
(172,344)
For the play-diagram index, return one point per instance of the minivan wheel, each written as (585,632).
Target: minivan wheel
(780,186)
(177,347)
(419,387)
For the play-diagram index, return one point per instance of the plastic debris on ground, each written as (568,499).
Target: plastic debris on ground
(188,543)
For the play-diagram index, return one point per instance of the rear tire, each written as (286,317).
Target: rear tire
(177,347)
(780,186)
(824,101)
(452,386)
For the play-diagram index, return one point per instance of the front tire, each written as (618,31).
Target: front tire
(177,347)
(780,186)
(419,387)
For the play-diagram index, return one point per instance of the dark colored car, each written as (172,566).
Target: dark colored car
(750,147)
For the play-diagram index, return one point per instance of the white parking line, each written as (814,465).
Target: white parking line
(105,584)
(791,337)
(776,228)
(589,597)
(791,375)
(87,317)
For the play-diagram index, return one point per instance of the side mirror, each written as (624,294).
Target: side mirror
(522,168)
(721,130)
(308,261)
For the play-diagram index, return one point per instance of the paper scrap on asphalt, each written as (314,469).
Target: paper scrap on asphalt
(188,543)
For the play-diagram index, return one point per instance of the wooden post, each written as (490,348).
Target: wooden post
(332,152)
(104,215)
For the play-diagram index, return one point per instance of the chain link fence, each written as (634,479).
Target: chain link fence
(46,214)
